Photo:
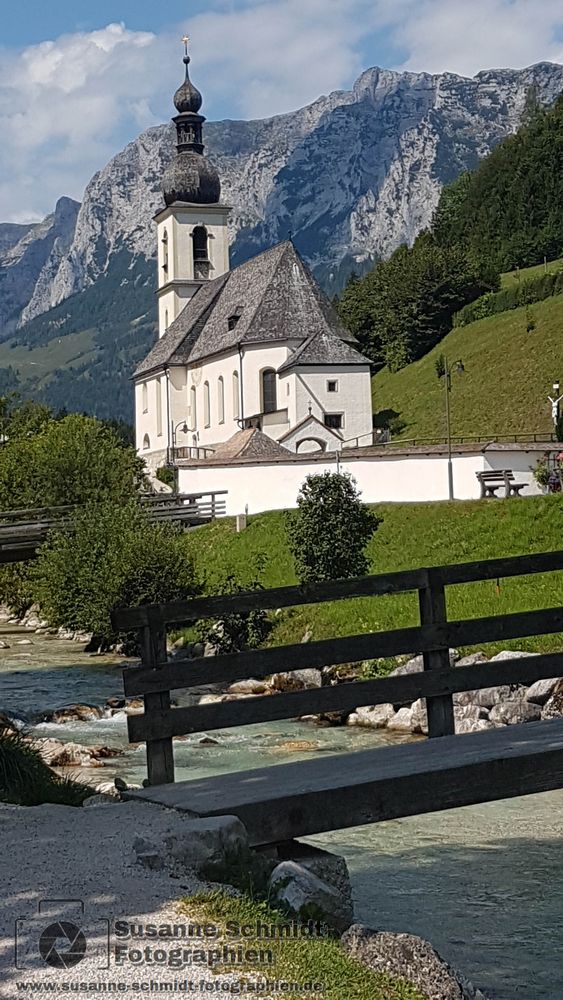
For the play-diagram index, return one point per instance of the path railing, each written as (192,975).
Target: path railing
(156,678)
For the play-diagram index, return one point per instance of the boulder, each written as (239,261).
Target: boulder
(207,841)
(471,712)
(59,754)
(471,660)
(74,713)
(416,664)
(419,717)
(553,708)
(401,722)
(250,686)
(540,692)
(405,956)
(330,868)
(487,697)
(510,654)
(472,726)
(371,717)
(509,713)
(306,897)
(297,680)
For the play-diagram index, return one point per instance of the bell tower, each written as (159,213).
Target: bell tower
(193,238)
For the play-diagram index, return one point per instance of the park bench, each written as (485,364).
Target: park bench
(491,481)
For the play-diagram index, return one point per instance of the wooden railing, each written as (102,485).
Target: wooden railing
(23,531)
(434,637)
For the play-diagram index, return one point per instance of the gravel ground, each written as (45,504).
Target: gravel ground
(61,853)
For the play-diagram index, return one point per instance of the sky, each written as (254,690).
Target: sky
(78,80)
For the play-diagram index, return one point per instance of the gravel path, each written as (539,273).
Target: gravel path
(61,853)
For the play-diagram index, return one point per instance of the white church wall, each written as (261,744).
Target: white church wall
(413,478)
(521,463)
(151,415)
(352,398)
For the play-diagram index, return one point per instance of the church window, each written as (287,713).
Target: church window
(145,397)
(159,407)
(165,251)
(332,385)
(166,319)
(221,399)
(236,396)
(206,405)
(269,394)
(200,252)
(193,408)
(146,442)
(334,420)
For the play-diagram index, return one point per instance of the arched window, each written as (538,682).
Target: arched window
(159,407)
(221,399)
(269,394)
(236,396)
(145,397)
(200,252)
(193,408)
(146,442)
(206,405)
(165,251)
(166,319)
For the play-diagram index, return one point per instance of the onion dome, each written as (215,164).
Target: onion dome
(190,177)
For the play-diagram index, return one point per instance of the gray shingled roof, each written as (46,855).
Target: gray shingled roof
(250,443)
(276,298)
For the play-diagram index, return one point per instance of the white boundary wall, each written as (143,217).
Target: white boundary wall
(261,486)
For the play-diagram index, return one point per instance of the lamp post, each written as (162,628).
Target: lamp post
(182,425)
(449,370)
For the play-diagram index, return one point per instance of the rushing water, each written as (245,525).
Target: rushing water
(484,883)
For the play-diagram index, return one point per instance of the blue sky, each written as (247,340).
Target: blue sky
(80,79)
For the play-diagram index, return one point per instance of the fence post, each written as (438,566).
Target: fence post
(432,605)
(160,753)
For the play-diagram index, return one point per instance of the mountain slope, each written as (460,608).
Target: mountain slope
(508,376)
(352,176)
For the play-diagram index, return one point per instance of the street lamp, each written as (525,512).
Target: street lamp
(182,425)
(457,368)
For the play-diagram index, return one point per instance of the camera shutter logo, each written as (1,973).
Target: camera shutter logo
(62,945)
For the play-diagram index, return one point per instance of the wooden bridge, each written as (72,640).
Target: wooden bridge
(285,801)
(23,531)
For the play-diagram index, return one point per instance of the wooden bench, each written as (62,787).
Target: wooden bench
(308,797)
(492,481)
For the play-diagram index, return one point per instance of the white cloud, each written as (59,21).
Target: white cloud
(67,105)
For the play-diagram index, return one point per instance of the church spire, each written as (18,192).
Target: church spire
(190,177)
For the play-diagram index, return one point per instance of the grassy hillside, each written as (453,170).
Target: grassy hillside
(508,374)
(411,535)
(525,273)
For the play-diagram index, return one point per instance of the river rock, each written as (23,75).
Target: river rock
(471,660)
(553,708)
(301,893)
(487,697)
(419,717)
(540,692)
(416,664)
(330,868)
(4,645)
(74,713)
(510,654)
(408,957)
(206,841)
(401,721)
(59,754)
(297,680)
(250,686)
(510,713)
(472,726)
(24,642)
(371,717)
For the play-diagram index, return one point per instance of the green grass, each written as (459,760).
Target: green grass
(411,535)
(525,273)
(295,960)
(508,374)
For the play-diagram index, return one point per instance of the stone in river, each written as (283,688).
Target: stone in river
(74,713)
(511,713)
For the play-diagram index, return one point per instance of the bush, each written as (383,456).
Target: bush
(26,780)
(110,556)
(235,633)
(329,532)
(166,475)
(518,294)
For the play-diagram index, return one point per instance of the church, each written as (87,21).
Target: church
(251,358)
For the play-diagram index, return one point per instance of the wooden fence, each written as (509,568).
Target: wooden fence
(434,637)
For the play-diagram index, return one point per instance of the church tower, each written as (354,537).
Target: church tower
(193,239)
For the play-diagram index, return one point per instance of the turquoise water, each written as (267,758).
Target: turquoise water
(484,883)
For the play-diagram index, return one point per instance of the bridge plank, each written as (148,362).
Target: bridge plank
(183,612)
(259,663)
(344,697)
(334,792)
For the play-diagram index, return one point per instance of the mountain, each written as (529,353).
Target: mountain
(352,175)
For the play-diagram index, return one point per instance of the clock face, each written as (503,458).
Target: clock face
(196,376)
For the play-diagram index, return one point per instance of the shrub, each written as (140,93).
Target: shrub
(518,294)
(110,556)
(166,475)
(330,529)
(26,780)
(235,633)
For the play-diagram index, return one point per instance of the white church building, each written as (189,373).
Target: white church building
(257,347)
(254,383)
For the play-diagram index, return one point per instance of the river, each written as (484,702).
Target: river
(483,883)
